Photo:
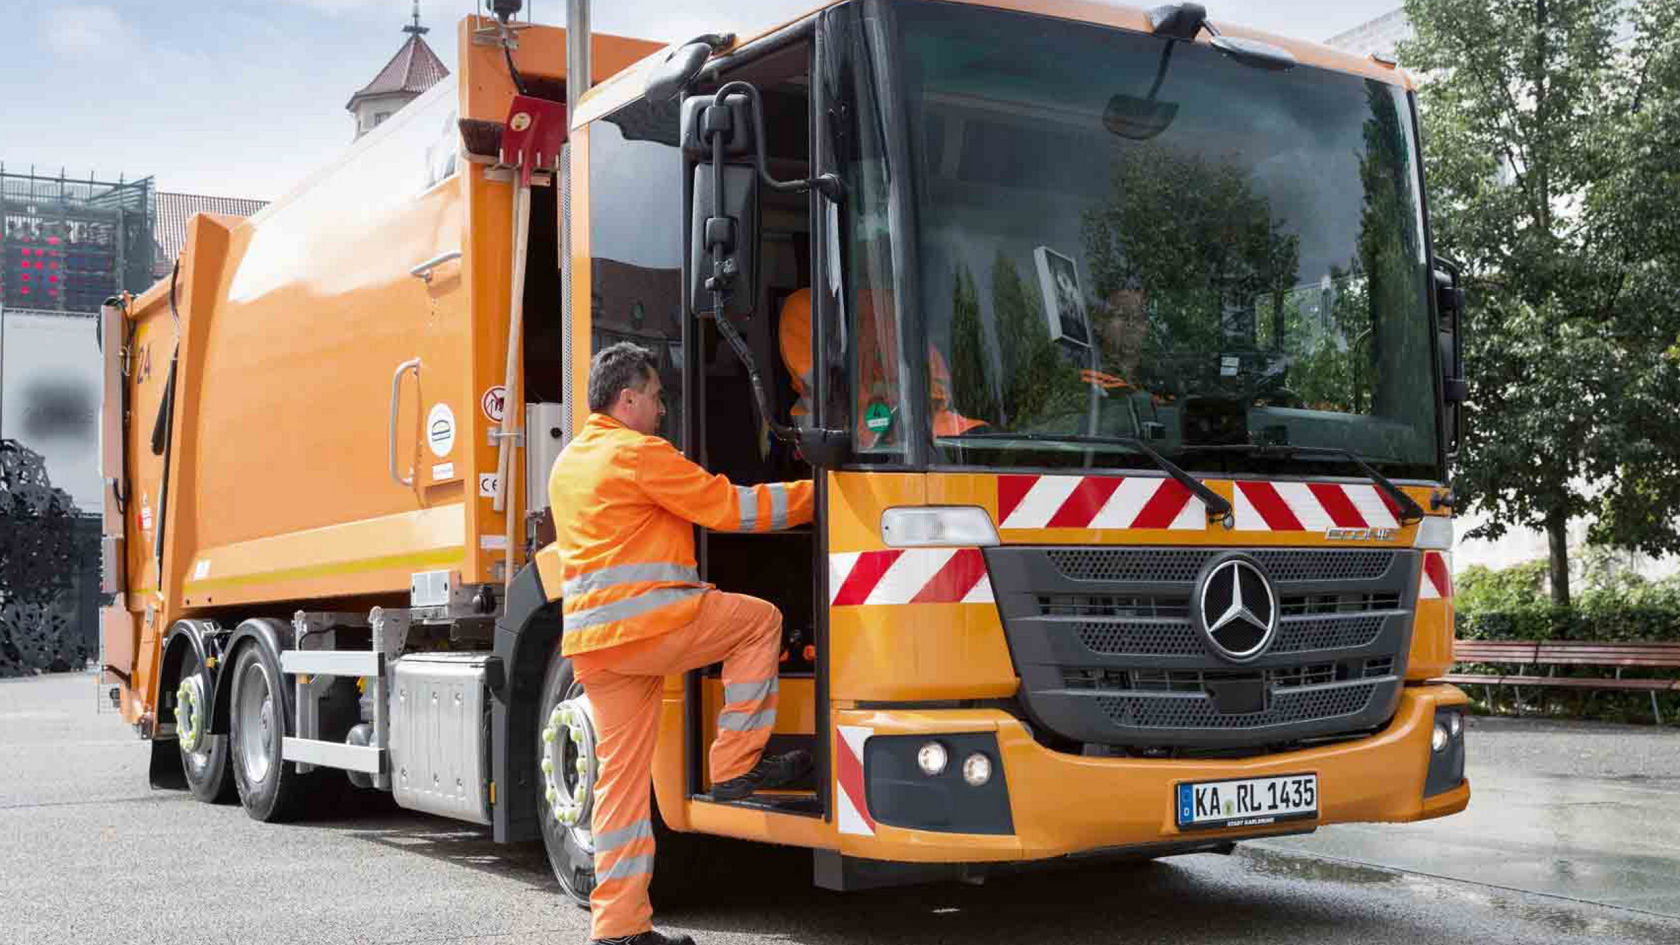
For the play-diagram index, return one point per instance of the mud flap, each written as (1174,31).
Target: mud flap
(165,772)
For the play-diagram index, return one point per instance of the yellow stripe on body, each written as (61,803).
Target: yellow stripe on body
(442,556)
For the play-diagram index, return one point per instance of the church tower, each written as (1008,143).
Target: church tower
(413,70)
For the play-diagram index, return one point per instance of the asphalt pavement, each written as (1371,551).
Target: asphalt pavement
(1569,838)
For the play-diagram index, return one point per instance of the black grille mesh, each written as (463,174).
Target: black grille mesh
(1331,565)
(1132,565)
(1154,638)
(1181,565)
(1332,633)
(1198,712)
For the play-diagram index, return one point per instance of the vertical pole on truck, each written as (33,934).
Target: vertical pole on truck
(577,53)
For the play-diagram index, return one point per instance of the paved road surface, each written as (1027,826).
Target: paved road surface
(1565,816)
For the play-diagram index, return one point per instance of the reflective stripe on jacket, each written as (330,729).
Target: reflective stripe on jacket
(623,507)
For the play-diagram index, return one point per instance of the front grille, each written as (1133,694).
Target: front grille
(1181,565)
(1109,653)
(1198,712)
(1195,680)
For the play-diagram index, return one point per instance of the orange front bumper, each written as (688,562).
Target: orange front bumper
(1064,804)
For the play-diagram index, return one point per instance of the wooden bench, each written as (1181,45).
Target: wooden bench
(1554,653)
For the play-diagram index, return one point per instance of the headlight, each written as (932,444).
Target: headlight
(937,527)
(931,759)
(1455,724)
(1438,740)
(977,769)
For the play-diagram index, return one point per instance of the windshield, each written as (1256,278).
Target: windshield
(1117,236)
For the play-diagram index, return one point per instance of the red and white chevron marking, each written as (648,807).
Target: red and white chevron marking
(1437,577)
(1155,502)
(1097,502)
(1311,507)
(851,801)
(908,576)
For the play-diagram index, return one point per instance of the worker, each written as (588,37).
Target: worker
(634,611)
(879,369)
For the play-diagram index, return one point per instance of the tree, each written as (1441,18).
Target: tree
(1540,162)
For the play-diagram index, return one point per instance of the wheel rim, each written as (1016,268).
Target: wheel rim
(190,732)
(257,730)
(569,767)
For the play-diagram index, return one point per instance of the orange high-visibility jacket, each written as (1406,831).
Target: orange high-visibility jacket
(623,503)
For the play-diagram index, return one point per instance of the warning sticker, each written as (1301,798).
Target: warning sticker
(440,430)
(494,403)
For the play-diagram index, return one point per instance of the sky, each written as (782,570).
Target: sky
(239,98)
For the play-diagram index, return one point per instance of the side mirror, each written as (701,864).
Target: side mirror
(723,211)
(718,131)
(1449,326)
(1449,306)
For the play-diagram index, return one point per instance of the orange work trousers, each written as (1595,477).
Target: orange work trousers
(624,684)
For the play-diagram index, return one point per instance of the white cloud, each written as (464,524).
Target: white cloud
(84,30)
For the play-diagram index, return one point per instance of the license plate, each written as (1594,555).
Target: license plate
(1247,802)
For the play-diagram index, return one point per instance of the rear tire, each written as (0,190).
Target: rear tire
(269,787)
(204,757)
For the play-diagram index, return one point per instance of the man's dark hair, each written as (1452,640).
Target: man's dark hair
(616,367)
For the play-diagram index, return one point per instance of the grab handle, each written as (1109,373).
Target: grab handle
(396,394)
(423,272)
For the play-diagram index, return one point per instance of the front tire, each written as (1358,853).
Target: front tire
(677,872)
(570,847)
(204,757)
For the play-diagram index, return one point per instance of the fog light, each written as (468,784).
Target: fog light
(977,769)
(1438,740)
(1455,723)
(931,759)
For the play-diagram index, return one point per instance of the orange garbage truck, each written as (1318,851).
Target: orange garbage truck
(1113,342)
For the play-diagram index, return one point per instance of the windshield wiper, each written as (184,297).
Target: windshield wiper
(1410,511)
(1218,507)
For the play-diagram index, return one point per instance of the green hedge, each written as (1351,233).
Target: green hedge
(1611,623)
(1509,605)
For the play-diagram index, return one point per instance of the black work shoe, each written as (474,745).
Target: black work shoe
(650,937)
(772,771)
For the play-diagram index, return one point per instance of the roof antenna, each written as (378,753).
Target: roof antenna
(417,29)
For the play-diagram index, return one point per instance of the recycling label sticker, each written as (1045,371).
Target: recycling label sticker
(440,430)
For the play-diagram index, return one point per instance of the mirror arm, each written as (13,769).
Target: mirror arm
(826,184)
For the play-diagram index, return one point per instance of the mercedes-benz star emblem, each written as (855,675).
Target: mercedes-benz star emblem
(1237,609)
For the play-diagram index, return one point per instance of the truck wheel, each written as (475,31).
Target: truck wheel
(566,736)
(567,770)
(268,786)
(204,757)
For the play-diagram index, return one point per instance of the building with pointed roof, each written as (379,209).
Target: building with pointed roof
(413,70)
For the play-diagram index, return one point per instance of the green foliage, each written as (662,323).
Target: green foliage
(971,386)
(1615,605)
(1479,589)
(1195,239)
(1555,180)
(1038,385)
